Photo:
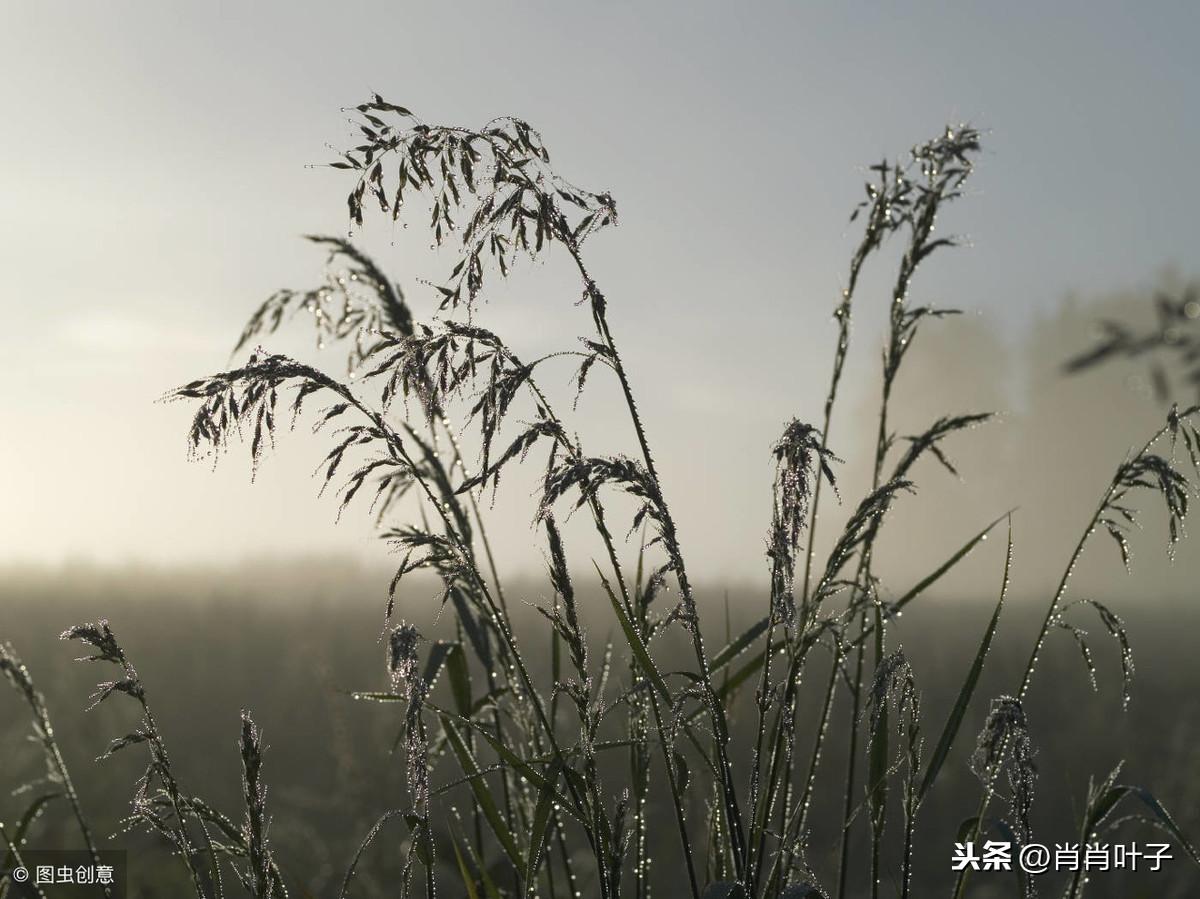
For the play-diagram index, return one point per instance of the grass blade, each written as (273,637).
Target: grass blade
(460,680)
(736,647)
(467,879)
(540,829)
(635,641)
(954,722)
(439,654)
(17,836)
(483,796)
(936,575)
(1164,818)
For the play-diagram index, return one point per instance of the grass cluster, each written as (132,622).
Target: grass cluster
(522,782)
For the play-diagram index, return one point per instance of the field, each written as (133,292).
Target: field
(287,641)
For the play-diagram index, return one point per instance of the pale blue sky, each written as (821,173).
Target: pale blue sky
(154,182)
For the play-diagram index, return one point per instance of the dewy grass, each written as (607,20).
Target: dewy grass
(58,778)
(522,785)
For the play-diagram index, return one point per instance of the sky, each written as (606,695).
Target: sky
(157,169)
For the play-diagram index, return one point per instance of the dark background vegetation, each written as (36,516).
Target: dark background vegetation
(285,640)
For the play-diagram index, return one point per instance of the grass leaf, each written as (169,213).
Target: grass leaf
(954,722)
(540,829)
(635,642)
(467,879)
(483,796)
(17,835)
(736,647)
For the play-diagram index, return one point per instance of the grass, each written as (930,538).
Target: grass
(281,638)
(562,762)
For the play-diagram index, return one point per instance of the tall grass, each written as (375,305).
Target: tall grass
(523,784)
